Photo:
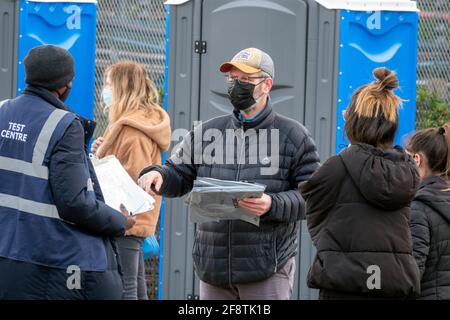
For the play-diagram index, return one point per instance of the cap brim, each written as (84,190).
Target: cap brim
(227,66)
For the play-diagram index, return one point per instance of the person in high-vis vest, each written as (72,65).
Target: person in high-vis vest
(56,233)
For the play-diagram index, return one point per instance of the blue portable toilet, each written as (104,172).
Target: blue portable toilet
(68,24)
(376,34)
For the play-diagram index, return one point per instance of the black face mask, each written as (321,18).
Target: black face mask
(241,95)
(64,96)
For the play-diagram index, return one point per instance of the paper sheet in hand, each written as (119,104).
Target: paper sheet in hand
(215,200)
(118,187)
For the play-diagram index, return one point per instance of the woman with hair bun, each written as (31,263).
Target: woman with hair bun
(358,204)
(430,217)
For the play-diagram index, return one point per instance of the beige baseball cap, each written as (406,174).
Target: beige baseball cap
(250,60)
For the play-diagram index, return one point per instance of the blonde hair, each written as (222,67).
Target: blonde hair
(372,116)
(377,98)
(132,89)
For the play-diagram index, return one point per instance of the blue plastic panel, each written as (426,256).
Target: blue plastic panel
(377,39)
(163,203)
(68,25)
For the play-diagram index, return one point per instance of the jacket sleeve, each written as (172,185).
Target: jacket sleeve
(180,170)
(420,232)
(73,193)
(320,193)
(289,206)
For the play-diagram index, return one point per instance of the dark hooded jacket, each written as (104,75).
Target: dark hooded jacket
(358,208)
(430,228)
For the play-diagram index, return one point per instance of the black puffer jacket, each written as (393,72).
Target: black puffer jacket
(235,251)
(430,228)
(357,213)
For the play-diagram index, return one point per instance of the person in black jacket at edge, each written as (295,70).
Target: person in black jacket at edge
(55,231)
(235,259)
(358,205)
(430,216)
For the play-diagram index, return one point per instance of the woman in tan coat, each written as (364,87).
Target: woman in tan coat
(138,130)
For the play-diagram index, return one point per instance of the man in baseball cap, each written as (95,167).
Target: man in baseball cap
(234,259)
(250,77)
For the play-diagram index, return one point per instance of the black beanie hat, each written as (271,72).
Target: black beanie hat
(49,66)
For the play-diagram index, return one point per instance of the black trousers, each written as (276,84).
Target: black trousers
(27,281)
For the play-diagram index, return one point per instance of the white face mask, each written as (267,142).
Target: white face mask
(107,97)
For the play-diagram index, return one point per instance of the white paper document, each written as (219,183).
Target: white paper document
(119,188)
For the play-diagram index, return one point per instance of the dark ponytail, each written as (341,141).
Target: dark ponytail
(434,143)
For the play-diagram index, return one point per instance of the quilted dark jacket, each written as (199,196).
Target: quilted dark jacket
(236,252)
(358,210)
(430,228)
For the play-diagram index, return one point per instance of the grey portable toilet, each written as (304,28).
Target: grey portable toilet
(303,37)
(9,25)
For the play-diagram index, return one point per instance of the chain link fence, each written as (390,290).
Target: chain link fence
(433,68)
(130,30)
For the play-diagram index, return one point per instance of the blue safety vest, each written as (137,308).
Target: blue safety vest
(31,229)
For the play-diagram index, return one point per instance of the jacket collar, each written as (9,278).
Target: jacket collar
(88,125)
(430,180)
(263,119)
(47,96)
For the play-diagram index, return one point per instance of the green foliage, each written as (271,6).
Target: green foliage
(161,95)
(432,110)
